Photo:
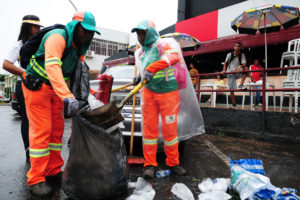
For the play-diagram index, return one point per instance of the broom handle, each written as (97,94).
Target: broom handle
(132,92)
(133,118)
(122,87)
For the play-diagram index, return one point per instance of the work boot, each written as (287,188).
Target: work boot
(40,189)
(178,170)
(149,171)
(56,179)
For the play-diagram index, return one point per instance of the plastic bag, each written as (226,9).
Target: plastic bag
(182,191)
(143,190)
(80,85)
(286,194)
(97,165)
(220,184)
(188,105)
(94,103)
(251,165)
(246,183)
(214,195)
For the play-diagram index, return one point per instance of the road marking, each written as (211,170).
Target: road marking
(218,152)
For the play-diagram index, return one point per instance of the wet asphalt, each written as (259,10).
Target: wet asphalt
(204,156)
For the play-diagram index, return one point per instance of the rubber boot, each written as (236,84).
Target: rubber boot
(54,179)
(178,170)
(149,171)
(40,189)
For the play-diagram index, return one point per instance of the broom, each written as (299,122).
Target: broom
(105,85)
(134,159)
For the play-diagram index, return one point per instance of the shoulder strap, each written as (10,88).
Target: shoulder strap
(231,57)
(67,49)
(240,58)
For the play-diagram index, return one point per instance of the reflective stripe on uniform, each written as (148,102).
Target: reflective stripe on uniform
(55,146)
(162,74)
(53,61)
(39,152)
(149,141)
(41,71)
(172,142)
(37,68)
(172,51)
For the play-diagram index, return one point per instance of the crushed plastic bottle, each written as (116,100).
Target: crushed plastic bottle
(163,173)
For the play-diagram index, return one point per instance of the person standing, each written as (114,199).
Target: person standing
(235,62)
(193,71)
(45,103)
(257,77)
(160,96)
(30,26)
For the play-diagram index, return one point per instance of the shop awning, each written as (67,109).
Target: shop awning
(226,43)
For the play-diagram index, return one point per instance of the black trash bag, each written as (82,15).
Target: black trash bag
(97,165)
(80,85)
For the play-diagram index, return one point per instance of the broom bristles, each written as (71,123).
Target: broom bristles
(105,84)
(136,160)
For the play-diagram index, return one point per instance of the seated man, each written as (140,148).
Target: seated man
(193,71)
(235,62)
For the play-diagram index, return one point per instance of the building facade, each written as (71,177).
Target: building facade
(110,42)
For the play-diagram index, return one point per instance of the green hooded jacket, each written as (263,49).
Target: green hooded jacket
(151,53)
(36,67)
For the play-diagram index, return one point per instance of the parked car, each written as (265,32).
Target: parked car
(123,75)
(3,98)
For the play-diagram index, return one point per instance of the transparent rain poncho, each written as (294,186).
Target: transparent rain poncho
(189,121)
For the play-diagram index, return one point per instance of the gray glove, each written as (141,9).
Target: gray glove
(148,76)
(71,106)
(137,79)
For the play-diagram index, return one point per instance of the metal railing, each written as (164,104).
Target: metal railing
(263,89)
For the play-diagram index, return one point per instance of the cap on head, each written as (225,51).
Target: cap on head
(87,20)
(31,19)
(144,25)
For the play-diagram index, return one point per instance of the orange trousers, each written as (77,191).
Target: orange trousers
(167,105)
(46,127)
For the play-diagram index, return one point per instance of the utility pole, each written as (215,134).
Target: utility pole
(73,4)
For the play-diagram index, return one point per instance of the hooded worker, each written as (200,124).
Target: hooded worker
(160,96)
(44,104)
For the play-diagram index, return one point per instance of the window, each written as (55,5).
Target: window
(106,48)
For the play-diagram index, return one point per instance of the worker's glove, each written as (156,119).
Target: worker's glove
(137,79)
(148,76)
(71,107)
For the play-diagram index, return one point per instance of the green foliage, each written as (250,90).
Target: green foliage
(2,77)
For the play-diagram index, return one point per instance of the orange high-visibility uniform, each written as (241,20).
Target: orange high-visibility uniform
(166,104)
(46,127)
(44,110)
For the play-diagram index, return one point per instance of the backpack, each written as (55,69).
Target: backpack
(31,46)
(232,57)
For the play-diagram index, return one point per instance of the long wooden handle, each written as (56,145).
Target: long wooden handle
(122,87)
(132,119)
(132,92)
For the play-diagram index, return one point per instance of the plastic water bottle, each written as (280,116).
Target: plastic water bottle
(163,173)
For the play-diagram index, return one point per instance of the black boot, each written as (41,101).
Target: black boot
(40,189)
(178,170)
(56,179)
(149,171)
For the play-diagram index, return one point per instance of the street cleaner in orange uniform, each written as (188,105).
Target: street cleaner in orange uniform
(44,105)
(160,96)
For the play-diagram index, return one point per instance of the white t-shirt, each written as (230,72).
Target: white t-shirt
(13,54)
(233,65)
